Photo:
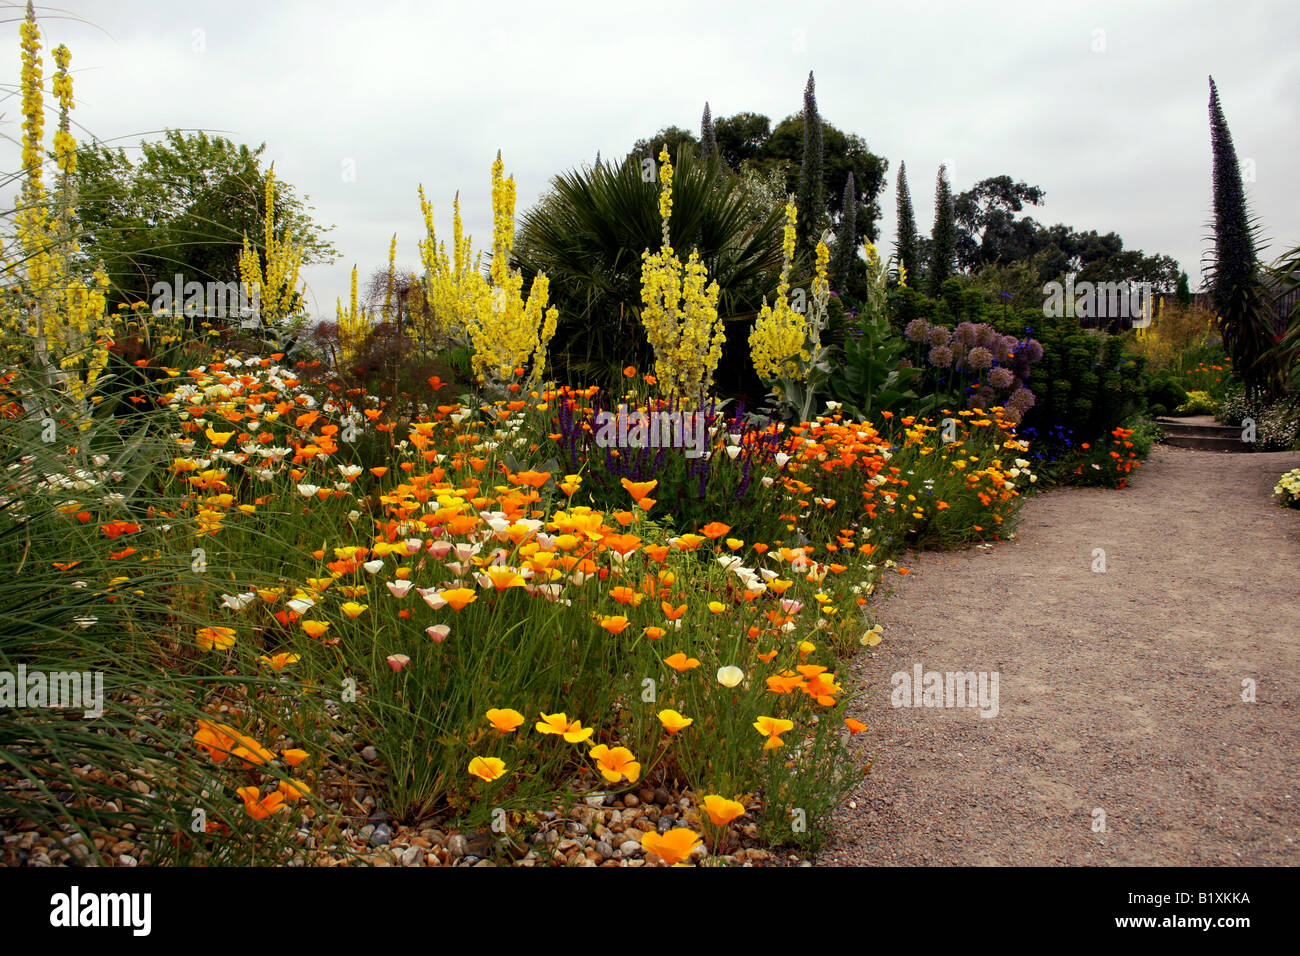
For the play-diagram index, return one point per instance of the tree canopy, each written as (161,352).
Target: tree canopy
(182,207)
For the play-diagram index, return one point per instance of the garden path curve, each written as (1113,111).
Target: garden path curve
(1118,691)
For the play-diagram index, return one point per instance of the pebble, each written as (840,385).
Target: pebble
(629,847)
(369,754)
(412,856)
(604,849)
(381,835)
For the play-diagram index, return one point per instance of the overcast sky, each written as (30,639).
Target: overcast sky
(1103,105)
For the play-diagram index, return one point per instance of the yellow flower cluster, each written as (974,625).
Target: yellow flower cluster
(453,286)
(779,338)
(64,315)
(507,332)
(277,284)
(679,310)
(354,324)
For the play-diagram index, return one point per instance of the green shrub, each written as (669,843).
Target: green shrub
(1198,403)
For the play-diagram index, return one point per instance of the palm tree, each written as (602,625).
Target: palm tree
(587,235)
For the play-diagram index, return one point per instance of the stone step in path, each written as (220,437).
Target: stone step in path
(1203,433)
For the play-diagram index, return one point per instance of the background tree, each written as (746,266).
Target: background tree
(673,136)
(741,137)
(905,245)
(183,207)
(943,236)
(1183,292)
(1245,320)
(987,227)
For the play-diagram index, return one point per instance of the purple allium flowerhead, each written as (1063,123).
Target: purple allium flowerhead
(1001,377)
(1034,350)
(940,336)
(1006,348)
(982,397)
(941,356)
(979,358)
(965,334)
(917,330)
(1012,414)
(985,335)
(1022,398)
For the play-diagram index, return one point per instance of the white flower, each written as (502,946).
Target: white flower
(237,602)
(399,587)
(730,675)
(308,491)
(373,567)
(301,605)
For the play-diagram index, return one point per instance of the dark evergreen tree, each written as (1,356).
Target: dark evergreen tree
(944,236)
(1183,292)
(1236,289)
(811,201)
(905,247)
(708,135)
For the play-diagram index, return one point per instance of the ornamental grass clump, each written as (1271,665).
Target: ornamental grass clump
(679,311)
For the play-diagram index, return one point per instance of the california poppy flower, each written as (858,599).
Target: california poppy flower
(487,769)
(216,638)
(673,721)
(560,725)
(617,764)
(260,809)
(715,530)
(673,846)
(722,811)
(505,720)
(681,663)
(615,624)
(772,728)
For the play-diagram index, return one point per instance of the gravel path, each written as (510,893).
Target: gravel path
(1119,693)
